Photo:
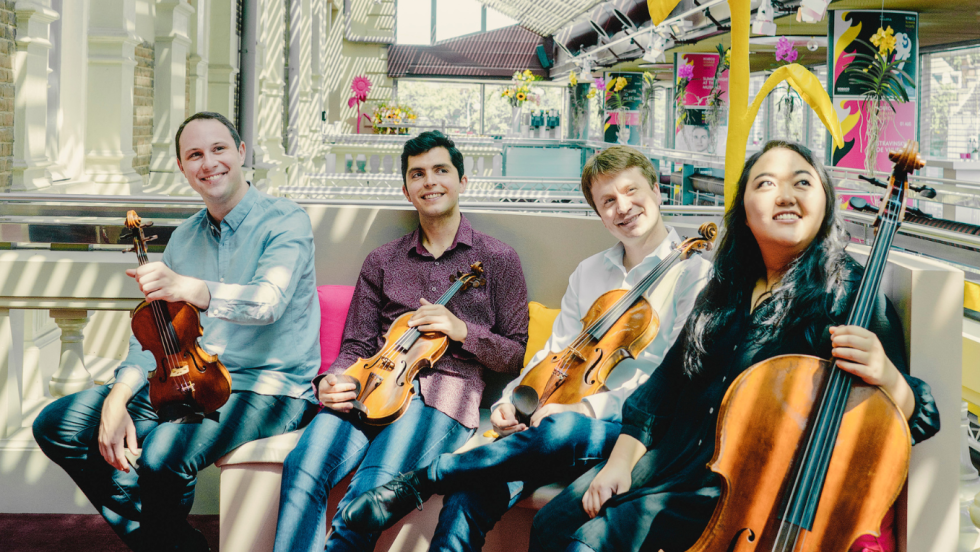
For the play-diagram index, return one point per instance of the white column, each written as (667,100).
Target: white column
(270,160)
(10,385)
(30,161)
(223,58)
(112,65)
(200,44)
(169,90)
(72,376)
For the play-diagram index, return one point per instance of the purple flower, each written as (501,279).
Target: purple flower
(785,50)
(685,72)
(600,83)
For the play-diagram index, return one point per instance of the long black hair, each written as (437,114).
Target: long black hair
(812,287)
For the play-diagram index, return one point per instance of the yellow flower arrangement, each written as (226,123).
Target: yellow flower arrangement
(388,114)
(572,79)
(884,40)
(519,90)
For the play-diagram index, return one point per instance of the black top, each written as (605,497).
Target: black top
(673,493)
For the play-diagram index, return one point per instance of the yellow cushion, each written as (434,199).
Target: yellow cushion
(539,330)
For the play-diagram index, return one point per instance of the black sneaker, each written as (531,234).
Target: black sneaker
(382,507)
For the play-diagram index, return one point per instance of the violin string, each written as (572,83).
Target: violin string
(165,328)
(838,386)
(615,312)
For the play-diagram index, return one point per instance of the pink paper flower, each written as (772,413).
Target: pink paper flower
(785,50)
(685,71)
(361,86)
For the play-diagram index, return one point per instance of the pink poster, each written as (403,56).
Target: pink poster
(699,87)
(899,126)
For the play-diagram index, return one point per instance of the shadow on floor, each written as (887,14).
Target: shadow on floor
(78,533)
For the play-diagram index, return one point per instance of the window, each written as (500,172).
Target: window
(454,106)
(414,20)
(949,114)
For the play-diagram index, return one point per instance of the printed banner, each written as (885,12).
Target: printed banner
(694,131)
(846,28)
(699,87)
(899,126)
(622,124)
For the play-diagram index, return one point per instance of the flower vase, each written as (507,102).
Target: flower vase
(515,120)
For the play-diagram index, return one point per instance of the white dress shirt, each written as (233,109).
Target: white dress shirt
(673,298)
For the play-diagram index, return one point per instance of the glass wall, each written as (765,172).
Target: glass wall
(454,106)
(949,114)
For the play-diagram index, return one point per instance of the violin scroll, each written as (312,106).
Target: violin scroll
(473,278)
(708,231)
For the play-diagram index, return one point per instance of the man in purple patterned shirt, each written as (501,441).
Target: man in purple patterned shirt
(486,326)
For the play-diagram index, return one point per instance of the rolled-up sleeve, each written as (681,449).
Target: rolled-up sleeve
(264,299)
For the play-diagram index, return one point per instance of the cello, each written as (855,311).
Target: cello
(618,325)
(189,382)
(384,381)
(810,456)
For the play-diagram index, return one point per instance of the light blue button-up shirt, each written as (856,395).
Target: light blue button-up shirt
(263,321)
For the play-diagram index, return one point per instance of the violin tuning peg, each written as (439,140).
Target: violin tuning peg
(147,224)
(152,238)
(130,250)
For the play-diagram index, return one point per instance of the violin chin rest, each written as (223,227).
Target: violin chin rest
(525,401)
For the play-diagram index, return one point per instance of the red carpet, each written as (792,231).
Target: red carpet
(76,533)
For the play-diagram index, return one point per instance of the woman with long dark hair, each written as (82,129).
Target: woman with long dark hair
(782,283)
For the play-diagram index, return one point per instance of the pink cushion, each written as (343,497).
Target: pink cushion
(334,304)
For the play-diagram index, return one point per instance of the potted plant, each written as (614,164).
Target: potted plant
(385,115)
(786,54)
(715,114)
(518,92)
(884,80)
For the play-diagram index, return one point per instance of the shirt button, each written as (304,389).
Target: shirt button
(711,410)
(736,348)
(437,263)
(699,442)
(724,379)
(433,288)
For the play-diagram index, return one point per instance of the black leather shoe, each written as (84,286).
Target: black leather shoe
(382,507)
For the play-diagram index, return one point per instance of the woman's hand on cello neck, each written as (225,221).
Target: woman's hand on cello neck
(859,351)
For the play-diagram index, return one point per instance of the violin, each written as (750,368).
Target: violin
(384,381)
(189,382)
(811,457)
(618,325)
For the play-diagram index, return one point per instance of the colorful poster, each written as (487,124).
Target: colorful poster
(700,127)
(852,31)
(699,85)
(897,128)
(622,101)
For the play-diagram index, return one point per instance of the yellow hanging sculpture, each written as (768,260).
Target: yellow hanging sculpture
(741,115)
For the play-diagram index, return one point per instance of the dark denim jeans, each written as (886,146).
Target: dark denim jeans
(483,483)
(148,506)
(332,447)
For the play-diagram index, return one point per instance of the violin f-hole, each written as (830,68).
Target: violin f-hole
(737,539)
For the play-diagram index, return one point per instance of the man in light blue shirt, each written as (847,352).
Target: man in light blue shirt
(246,261)
(560,441)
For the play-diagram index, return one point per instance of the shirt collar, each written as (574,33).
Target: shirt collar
(464,235)
(238,213)
(614,255)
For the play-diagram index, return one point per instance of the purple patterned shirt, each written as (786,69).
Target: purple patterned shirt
(394,277)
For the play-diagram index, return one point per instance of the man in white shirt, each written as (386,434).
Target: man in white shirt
(560,441)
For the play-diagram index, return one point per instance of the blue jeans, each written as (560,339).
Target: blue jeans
(148,506)
(483,483)
(332,447)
